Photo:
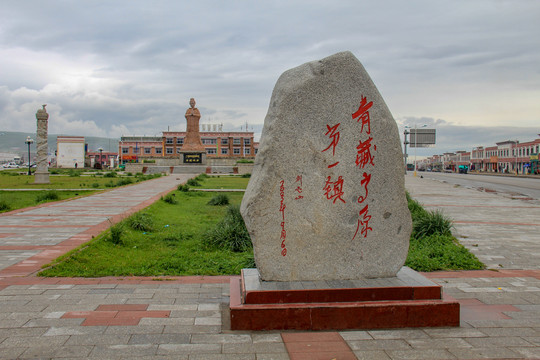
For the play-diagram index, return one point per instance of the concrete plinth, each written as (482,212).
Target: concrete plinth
(41,178)
(406,300)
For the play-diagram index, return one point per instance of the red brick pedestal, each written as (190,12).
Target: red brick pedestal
(407,300)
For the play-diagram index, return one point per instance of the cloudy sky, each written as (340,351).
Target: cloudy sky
(471,69)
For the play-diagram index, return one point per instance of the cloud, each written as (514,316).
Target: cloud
(130,67)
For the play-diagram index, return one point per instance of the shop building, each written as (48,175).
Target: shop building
(509,156)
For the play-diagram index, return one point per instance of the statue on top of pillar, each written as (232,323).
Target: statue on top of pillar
(192,141)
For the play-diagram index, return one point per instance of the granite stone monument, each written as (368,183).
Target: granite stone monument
(326,200)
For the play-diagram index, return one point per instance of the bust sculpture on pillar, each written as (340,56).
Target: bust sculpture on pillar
(193,151)
(42,173)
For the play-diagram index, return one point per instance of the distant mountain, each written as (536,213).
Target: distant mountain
(13,142)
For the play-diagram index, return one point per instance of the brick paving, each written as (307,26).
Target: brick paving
(186,317)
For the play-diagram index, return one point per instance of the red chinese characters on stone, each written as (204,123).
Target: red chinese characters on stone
(298,189)
(364,159)
(333,134)
(366,178)
(334,189)
(282,207)
(363,221)
(363,156)
(363,114)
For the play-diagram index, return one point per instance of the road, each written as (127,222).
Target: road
(510,186)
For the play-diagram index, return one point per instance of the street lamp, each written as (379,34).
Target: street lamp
(405,142)
(100,158)
(29,141)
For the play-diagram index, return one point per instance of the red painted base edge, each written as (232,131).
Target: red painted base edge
(340,315)
(342,295)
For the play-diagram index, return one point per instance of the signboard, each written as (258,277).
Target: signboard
(425,138)
(192,158)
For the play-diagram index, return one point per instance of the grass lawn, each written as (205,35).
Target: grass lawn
(13,200)
(223,182)
(432,246)
(172,247)
(175,244)
(67,179)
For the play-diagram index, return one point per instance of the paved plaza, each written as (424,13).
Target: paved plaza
(186,317)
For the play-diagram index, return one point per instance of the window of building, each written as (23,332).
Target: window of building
(147,150)
(211,151)
(207,141)
(158,150)
(224,151)
(180,141)
(125,150)
(169,150)
(225,141)
(178,150)
(236,151)
(247,151)
(236,141)
(169,141)
(247,141)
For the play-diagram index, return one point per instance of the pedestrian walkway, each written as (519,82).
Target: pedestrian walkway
(186,317)
(30,238)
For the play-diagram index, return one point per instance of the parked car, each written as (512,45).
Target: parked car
(10,165)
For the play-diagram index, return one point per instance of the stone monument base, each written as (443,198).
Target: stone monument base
(194,157)
(406,300)
(41,178)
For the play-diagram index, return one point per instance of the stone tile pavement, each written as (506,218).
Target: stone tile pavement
(186,317)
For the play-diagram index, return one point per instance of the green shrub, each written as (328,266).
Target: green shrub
(193,182)
(4,206)
(440,252)
(248,175)
(218,200)
(431,223)
(141,221)
(170,199)
(230,233)
(95,185)
(201,177)
(124,181)
(111,174)
(183,187)
(49,195)
(55,172)
(74,173)
(244,161)
(110,184)
(116,234)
